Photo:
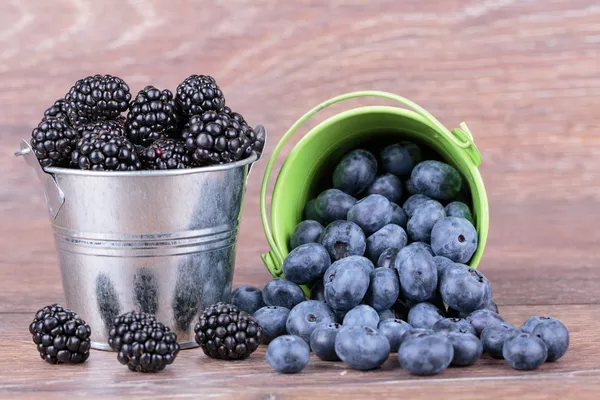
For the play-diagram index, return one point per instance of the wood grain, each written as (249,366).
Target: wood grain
(194,374)
(525,76)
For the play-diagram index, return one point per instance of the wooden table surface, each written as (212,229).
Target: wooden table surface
(525,75)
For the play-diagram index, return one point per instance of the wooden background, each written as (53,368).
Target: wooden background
(524,74)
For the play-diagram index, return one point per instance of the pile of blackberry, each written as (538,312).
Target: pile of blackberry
(98,126)
(142,343)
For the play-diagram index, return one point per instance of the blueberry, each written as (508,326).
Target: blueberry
(436,179)
(364,262)
(424,315)
(555,335)
(333,205)
(306,316)
(492,307)
(417,273)
(317,291)
(412,332)
(387,258)
(422,245)
(389,186)
(481,319)
(355,172)
(399,217)
(386,314)
(493,338)
(362,347)
(247,298)
(384,289)
(343,239)
(532,322)
(362,315)
(306,263)
(272,319)
(322,341)
(460,210)
(306,232)
(442,264)
(454,325)
(426,354)
(283,293)
(454,238)
(400,159)
(390,236)
(413,202)
(525,351)
(465,289)
(424,218)
(393,329)
(467,348)
(371,213)
(346,283)
(288,354)
(310,211)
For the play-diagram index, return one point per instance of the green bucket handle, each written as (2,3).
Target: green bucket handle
(461,137)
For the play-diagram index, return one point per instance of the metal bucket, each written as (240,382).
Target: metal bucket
(162,242)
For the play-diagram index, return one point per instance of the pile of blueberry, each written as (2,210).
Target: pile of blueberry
(388,279)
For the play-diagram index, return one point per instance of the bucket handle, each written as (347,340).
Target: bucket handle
(54,196)
(461,137)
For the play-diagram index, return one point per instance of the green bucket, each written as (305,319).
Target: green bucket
(307,169)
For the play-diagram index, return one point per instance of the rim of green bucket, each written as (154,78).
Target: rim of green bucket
(468,162)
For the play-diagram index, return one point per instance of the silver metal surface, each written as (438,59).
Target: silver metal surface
(54,196)
(162,242)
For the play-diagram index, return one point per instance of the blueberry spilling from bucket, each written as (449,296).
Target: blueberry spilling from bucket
(156,129)
(385,249)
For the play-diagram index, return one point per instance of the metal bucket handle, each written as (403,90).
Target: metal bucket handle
(55,197)
(461,137)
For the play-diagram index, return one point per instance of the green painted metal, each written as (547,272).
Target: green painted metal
(307,168)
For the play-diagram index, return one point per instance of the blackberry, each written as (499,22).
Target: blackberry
(215,138)
(53,141)
(199,93)
(57,110)
(261,138)
(114,127)
(105,151)
(227,333)
(256,138)
(61,335)
(166,154)
(97,98)
(144,344)
(154,114)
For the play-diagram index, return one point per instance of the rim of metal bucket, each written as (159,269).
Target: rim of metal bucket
(167,172)
(460,137)
(55,197)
